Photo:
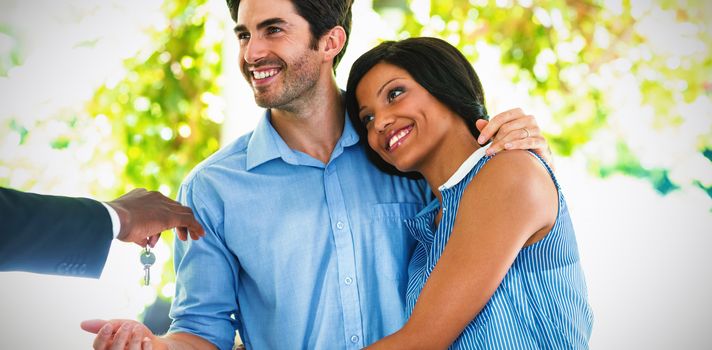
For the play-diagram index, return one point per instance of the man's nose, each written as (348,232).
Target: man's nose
(254,50)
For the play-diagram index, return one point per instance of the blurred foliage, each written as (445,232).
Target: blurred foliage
(564,51)
(160,112)
(146,125)
(12,56)
(628,164)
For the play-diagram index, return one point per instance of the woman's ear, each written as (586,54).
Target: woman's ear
(332,42)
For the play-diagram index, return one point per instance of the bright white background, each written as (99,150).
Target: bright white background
(646,256)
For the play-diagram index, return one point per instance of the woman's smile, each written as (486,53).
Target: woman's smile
(397,137)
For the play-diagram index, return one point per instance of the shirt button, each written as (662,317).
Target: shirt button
(62,268)
(354,338)
(340,225)
(348,280)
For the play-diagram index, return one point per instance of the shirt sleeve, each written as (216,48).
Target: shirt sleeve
(115,222)
(205,302)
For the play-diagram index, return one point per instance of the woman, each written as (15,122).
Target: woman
(496,266)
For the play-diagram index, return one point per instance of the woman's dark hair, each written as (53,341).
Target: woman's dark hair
(433,63)
(322,15)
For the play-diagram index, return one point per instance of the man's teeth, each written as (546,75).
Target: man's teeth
(264,74)
(395,138)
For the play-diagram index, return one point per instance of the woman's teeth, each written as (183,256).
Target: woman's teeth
(397,137)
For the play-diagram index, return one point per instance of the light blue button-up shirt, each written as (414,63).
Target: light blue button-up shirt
(297,254)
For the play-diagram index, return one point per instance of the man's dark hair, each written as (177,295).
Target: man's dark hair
(433,63)
(322,15)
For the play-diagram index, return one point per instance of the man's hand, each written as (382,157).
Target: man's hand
(513,129)
(145,214)
(119,334)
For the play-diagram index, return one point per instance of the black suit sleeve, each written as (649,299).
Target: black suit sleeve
(52,234)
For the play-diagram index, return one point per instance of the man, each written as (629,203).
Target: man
(304,236)
(71,236)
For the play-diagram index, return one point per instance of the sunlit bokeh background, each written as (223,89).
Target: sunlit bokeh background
(99,97)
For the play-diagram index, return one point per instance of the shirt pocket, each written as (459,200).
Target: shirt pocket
(394,211)
(392,243)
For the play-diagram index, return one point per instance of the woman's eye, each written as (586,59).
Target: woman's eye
(393,93)
(366,119)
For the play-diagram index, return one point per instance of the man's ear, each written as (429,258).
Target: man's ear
(332,42)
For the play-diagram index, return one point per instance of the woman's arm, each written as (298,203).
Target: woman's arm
(512,202)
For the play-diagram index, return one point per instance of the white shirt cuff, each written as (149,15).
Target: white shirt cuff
(115,222)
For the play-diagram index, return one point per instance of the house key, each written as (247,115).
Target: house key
(147,259)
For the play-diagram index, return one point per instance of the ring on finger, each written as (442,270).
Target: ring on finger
(526,131)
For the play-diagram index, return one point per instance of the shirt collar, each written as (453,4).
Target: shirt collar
(262,146)
(349,137)
(266,144)
(465,168)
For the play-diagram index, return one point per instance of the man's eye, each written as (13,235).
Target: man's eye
(273,30)
(243,36)
(366,119)
(393,93)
